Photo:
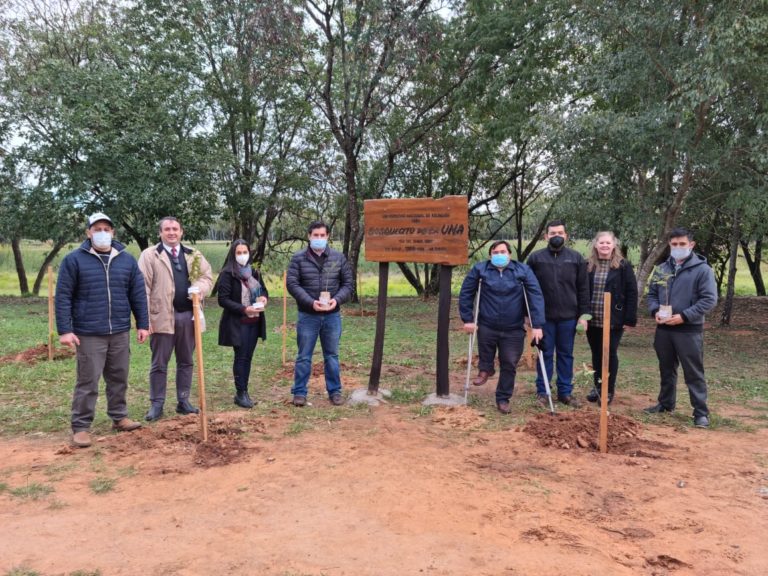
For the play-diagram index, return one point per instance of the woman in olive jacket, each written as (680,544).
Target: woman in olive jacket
(243,296)
(609,272)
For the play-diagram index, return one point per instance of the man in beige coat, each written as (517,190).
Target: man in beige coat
(172,273)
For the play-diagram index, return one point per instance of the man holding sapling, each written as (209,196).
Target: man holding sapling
(320,280)
(682,290)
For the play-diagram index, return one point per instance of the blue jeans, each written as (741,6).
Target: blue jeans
(308,328)
(558,337)
(241,368)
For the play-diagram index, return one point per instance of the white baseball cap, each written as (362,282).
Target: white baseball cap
(98,217)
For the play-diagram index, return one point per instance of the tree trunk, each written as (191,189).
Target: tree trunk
(353,218)
(60,243)
(413,279)
(725,319)
(754,264)
(19,260)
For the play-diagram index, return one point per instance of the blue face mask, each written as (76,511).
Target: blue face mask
(318,243)
(500,260)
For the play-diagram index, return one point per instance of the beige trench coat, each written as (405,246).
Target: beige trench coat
(155,265)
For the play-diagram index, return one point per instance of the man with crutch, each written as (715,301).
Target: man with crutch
(500,319)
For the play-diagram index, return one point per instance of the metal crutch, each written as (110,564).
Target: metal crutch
(472,340)
(540,354)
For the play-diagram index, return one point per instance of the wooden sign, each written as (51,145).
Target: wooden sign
(428,230)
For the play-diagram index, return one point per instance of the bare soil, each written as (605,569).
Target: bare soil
(391,491)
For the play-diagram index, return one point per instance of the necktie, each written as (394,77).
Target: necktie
(173,252)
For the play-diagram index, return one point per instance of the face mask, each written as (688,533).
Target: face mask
(500,260)
(679,253)
(101,239)
(318,243)
(242,259)
(556,242)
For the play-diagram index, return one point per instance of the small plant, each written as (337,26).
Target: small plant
(194,267)
(22,571)
(661,279)
(584,377)
(32,491)
(102,485)
(85,573)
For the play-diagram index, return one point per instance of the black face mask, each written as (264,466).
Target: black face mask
(556,242)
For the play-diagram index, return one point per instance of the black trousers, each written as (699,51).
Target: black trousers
(595,339)
(675,348)
(509,344)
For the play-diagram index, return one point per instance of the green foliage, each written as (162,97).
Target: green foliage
(102,485)
(32,491)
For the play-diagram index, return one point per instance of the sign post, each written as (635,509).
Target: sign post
(424,230)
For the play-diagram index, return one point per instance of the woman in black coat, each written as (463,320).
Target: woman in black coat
(609,272)
(243,295)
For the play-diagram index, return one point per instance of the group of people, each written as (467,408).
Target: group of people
(560,293)
(100,286)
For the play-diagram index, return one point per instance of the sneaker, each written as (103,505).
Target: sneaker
(299,401)
(125,425)
(337,399)
(81,439)
(701,422)
(503,407)
(569,401)
(657,409)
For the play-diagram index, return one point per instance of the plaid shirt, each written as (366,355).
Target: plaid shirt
(598,293)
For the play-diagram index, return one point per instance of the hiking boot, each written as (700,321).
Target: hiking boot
(569,401)
(657,409)
(503,406)
(299,401)
(701,422)
(337,399)
(184,408)
(482,378)
(243,400)
(81,439)
(125,425)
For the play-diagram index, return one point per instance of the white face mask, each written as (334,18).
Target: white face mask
(680,253)
(101,239)
(242,259)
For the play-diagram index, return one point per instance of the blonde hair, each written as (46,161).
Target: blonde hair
(616,258)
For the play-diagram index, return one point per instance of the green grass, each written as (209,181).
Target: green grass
(102,485)
(32,491)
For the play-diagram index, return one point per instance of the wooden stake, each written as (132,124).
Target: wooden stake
(603,439)
(360,292)
(285,310)
(200,370)
(50,313)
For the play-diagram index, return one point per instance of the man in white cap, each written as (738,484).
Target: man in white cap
(98,288)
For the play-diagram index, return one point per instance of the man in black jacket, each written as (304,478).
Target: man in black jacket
(562,274)
(686,284)
(320,280)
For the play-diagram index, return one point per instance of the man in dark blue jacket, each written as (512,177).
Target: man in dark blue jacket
(501,316)
(687,284)
(99,285)
(320,280)
(562,274)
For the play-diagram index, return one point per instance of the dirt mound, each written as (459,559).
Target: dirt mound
(179,442)
(37,354)
(458,417)
(579,430)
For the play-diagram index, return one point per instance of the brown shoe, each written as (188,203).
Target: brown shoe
(569,401)
(81,439)
(503,407)
(299,401)
(482,378)
(542,400)
(125,425)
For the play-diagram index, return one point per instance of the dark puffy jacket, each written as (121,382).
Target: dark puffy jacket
(563,279)
(230,298)
(622,285)
(308,276)
(692,291)
(502,304)
(96,299)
